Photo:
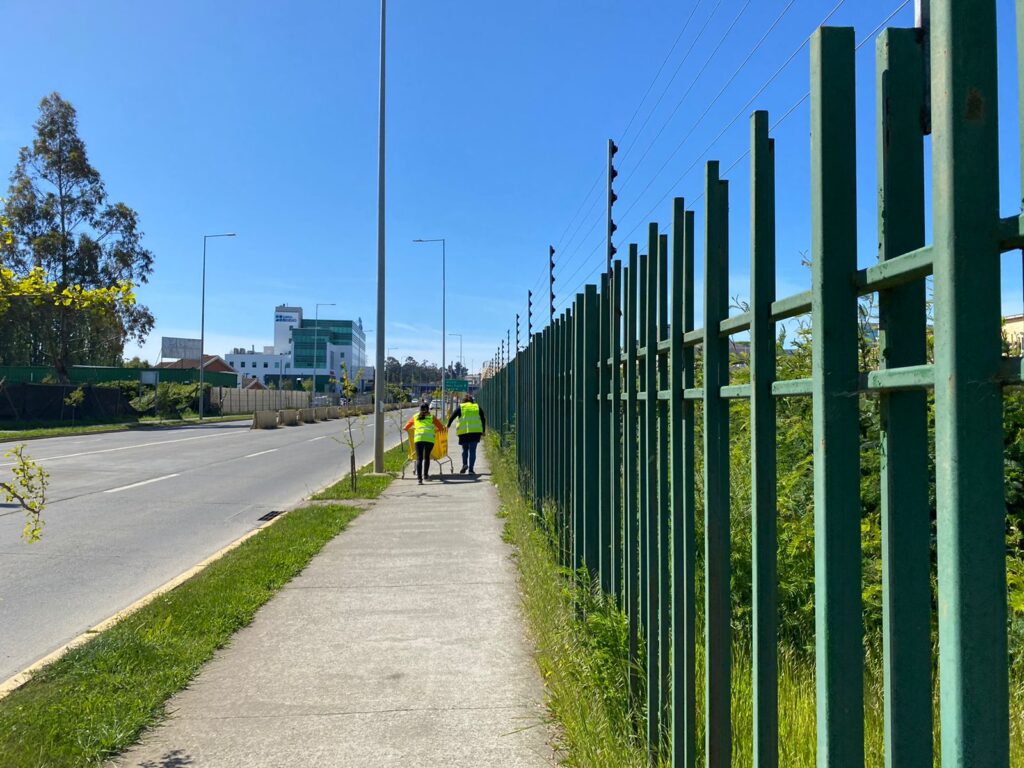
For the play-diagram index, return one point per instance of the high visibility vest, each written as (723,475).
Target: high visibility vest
(424,430)
(470,422)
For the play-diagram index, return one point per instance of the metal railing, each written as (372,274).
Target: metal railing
(602,404)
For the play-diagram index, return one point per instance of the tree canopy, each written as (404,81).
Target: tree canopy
(73,256)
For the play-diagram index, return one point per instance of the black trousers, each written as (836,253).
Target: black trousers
(423,459)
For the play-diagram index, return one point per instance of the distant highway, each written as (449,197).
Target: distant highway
(128,511)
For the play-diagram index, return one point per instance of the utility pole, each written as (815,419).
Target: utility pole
(378,376)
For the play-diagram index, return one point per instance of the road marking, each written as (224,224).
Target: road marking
(313,440)
(259,453)
(144,482)
(127,447)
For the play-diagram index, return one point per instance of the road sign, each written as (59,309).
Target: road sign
(458,385)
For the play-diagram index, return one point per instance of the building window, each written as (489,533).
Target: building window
(242,364)
(266,365)
(277,365)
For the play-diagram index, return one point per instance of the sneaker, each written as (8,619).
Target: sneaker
(464,470)
(419,480)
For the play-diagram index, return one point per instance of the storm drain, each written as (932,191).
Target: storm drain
(270,515)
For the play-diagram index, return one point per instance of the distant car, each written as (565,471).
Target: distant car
(414,401)
(435,404)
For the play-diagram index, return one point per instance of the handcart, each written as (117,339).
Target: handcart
(439,454)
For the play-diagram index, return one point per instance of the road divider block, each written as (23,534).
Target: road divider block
(333,412)
(307,415)
(288,417)
(264,420)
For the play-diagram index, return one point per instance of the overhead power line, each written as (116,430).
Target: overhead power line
(690,88)
(742,111)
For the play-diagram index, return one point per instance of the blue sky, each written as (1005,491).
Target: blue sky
(260,118)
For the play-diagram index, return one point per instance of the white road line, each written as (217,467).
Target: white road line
(259,453)
(126,447)
(144,482)
(313,440)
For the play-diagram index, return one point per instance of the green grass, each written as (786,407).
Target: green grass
(582,651)
(95,701)
(582,655)
(37,430)
(368,485)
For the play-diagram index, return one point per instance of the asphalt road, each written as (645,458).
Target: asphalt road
(129,511)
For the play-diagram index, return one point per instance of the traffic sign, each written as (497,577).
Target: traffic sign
(457,385)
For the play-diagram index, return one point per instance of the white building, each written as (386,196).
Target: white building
(303,348)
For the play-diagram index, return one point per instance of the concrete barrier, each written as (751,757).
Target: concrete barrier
(264,419)
(321,414)
(333,412)
(288,417)
(307,415)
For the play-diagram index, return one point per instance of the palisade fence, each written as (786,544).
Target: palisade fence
(603,404)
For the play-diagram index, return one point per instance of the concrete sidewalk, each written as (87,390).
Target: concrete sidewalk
(402,644)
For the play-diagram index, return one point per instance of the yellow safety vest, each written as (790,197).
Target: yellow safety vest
(469,421)
(424,430)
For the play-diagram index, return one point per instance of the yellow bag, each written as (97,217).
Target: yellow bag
(440,450)
(440,446)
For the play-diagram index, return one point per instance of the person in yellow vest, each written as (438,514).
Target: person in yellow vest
(472,425)
(424,426)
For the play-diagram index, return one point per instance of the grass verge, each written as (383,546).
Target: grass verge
(95,701)
(368,485)
(37,430)
(581,639)
(582,650)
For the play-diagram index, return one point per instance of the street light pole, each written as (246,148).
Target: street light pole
(444,314)
(202,325)
(378,377)
(316,344)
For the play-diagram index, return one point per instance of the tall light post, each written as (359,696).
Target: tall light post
(444,373)
(378,376)
(462,361)
(202,325)
(316,344)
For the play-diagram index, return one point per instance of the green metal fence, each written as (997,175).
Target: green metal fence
(602,407)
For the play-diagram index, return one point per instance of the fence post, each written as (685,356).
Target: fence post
(764,545)
(591,432)
(662,509)
(579,468)
(614,478)
(968,404)
(649,508)
(684,547)
(718,635)
(630,476)
(906,523)
(604,406)
(839,650)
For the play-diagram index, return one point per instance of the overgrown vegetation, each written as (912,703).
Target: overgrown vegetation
(96,700)
(568,646)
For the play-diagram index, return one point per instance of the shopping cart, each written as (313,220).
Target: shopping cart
(439,454)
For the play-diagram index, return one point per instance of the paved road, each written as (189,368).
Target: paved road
(130,510)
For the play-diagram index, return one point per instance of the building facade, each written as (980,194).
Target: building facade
(304,347)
